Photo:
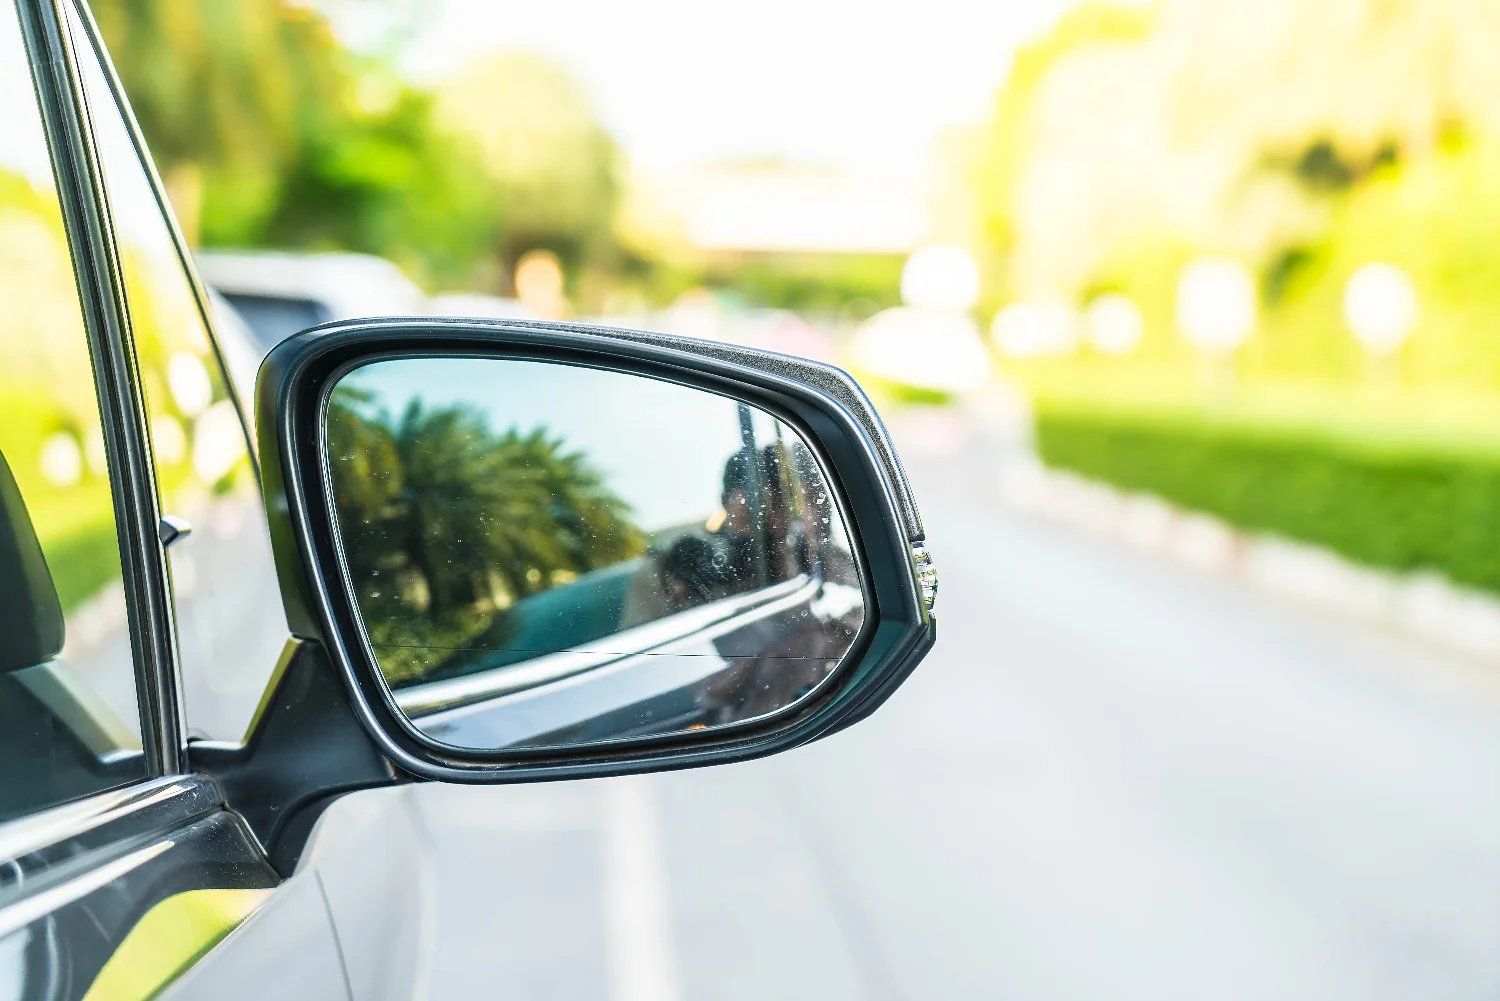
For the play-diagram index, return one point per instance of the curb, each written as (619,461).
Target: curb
(1423,604)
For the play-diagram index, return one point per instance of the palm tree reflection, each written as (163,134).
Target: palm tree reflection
(447,524)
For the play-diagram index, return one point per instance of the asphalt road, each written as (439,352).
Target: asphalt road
(1115,778)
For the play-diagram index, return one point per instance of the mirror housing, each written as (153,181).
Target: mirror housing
(822,403)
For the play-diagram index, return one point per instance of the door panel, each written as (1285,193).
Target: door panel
(373,856)
(286,950)
(113,896)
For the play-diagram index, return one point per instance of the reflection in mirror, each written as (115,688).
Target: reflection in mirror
(547,555)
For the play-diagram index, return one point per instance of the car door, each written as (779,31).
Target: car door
(177,746)
(118,867)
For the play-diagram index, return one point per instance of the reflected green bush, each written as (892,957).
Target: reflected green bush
(1391,502)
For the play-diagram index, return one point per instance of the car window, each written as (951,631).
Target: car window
(274,319)
(69,723)
(230,624)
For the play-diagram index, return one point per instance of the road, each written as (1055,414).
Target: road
(1114,778)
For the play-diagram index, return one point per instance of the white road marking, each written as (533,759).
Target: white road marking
(637,917)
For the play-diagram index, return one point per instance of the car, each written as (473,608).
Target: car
(281,292)
(413,549)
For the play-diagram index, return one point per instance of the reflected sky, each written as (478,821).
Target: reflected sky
(661,447)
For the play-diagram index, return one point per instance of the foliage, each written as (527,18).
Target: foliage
(390,184)
(213,82)
(269,133)
(1394,501)
(86,559)
(1227,124)
(1304,140)
(813,283)
(446,523)
(1009,142)
(558,171)
(1438,219)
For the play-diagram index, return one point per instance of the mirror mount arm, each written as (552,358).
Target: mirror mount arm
(306,749)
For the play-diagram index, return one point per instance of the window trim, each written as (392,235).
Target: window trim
(98,278)
(164,207)
(86,39)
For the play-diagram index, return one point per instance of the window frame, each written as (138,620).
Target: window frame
(78,176)
(201,300)
(85,36)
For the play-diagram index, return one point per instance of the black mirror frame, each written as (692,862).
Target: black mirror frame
(821,401)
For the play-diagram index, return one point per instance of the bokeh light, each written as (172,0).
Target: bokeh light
(1380,307)
(539,284)
(1114,324)
(1035,329)
(940,276)
(1216,304)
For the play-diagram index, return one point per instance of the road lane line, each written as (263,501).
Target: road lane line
(637,917)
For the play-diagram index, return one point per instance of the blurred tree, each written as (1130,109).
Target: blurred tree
(268,132)
(1302,138)
(557,168)
(210,86)
(1223,122)
(388,182)
(1011,138)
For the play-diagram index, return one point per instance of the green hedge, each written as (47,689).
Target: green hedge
(1397,503)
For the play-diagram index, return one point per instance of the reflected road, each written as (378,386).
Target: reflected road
(1114,778)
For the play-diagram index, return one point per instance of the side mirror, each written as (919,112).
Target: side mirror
(548,550)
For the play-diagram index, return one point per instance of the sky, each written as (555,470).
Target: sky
(863,89)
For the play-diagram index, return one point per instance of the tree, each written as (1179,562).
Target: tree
(557,168)
(211,85)
(1223,124)
(268,132)
(445,522)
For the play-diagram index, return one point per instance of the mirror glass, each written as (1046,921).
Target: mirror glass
(545,554)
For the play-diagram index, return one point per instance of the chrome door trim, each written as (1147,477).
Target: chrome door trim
(159,804)
(77,880)
(39,905)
